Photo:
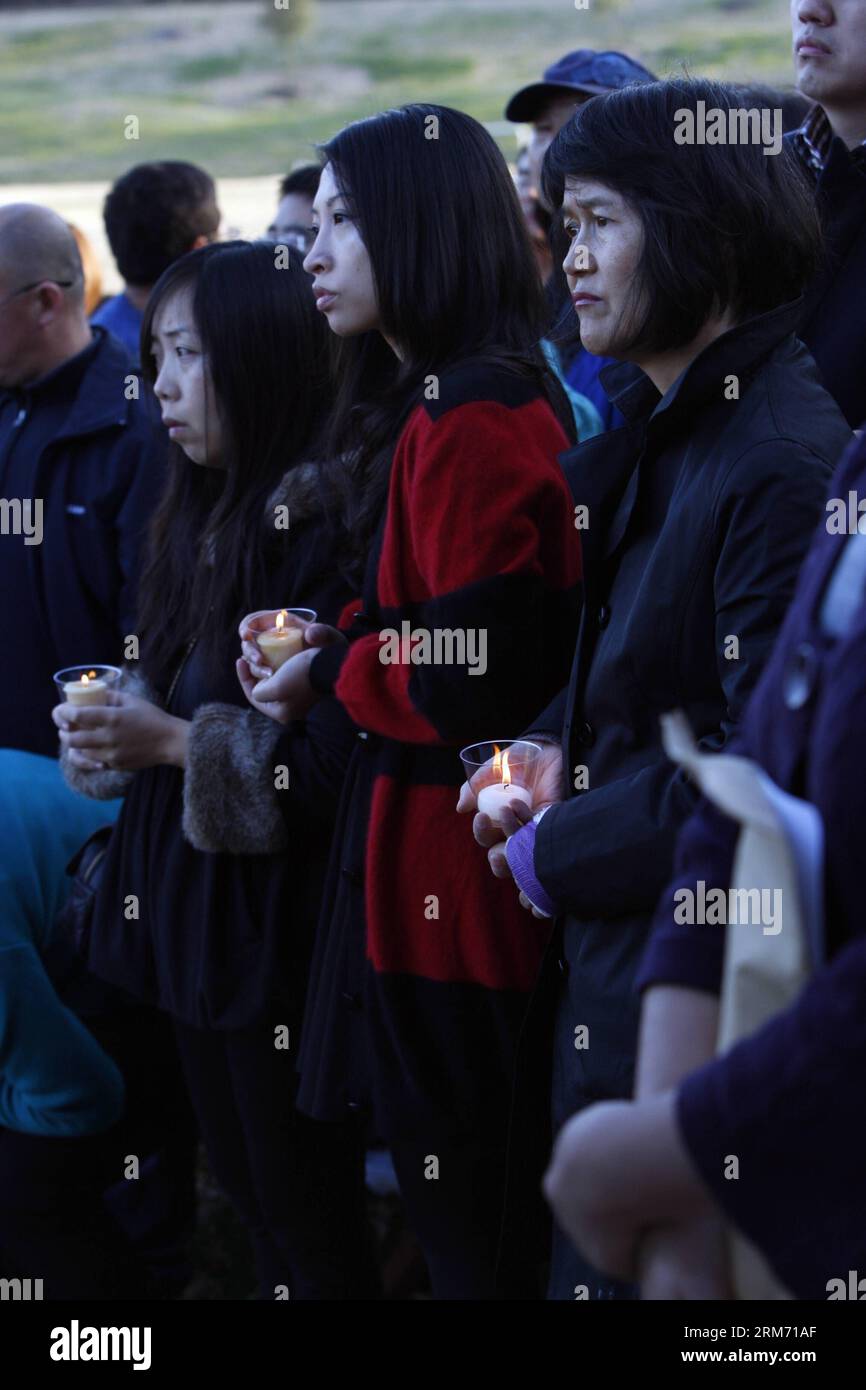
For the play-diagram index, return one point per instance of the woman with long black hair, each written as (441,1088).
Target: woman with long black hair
(214,870)
(457,522)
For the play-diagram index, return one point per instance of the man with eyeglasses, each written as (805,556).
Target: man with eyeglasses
(80,454)
(292,222)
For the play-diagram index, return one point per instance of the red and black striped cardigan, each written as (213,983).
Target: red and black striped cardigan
(479,534)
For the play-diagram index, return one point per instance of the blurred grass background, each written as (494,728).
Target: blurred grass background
(245,89)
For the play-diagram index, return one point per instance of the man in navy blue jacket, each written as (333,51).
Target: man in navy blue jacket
(81,466)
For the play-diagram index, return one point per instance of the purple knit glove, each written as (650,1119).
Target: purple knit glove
(520,853)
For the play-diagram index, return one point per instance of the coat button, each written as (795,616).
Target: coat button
(586,735)
(362,733)
(603,616)
(353,1105)
(800,675)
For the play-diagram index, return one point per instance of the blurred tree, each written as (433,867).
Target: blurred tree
(287,18)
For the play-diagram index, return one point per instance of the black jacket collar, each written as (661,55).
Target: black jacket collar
(602,472)
(735,353)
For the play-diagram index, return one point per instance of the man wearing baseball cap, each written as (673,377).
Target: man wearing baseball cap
(546,106)
(571,80)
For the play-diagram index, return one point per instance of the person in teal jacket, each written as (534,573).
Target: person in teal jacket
(55,1079)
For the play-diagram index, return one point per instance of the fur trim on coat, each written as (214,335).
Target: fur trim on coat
(229,796)
(300,490)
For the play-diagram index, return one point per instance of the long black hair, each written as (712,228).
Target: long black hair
(454,275)
(725,226)
(267,351)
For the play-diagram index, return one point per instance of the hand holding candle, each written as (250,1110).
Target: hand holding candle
(121,731)
(501,774)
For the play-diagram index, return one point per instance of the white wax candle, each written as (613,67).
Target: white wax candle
(495,797)
(85,692)
(279,643)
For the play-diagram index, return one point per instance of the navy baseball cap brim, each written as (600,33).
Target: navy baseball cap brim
(584,72)
(529,102)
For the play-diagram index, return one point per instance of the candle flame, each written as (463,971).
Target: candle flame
(497,763)
(85,679)
(281,619)
(506,776)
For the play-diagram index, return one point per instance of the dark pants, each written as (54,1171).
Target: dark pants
(456,1215)
(571,1276)
(68,1213)
(297,1184)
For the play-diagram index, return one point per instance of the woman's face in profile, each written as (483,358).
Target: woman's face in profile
(340,264)
(602,266)
(183,384)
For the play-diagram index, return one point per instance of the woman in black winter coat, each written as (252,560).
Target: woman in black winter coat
(214,871)
(686,262)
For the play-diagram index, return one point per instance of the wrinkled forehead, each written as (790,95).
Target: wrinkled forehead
(175,313)
(591,193)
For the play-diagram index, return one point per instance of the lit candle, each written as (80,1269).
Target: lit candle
(89,690)
(280,642)
(497,796)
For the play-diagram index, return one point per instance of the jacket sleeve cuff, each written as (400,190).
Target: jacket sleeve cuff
(520,853)
(230,795)
(326,667)
(674,959)
(105,784)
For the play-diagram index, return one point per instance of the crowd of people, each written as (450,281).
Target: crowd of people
(596,414)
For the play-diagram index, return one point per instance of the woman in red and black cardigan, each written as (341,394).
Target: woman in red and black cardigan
(458,520)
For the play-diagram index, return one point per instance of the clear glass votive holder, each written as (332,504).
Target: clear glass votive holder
(280,633)
(86,685)
(500,771)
